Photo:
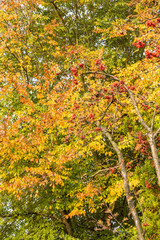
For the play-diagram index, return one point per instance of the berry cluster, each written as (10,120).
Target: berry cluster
(145,107)
(138,44)
(143,142)
(76,106)
(150,55)
(91,117)
(74,71)
(98,63)
(97,129)
(73,118)
(147,185)
(66,139)
(150,23)
(112,170)
(158,20)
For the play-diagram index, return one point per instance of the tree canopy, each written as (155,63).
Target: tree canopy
(79,119)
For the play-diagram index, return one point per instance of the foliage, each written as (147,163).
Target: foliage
(80,111)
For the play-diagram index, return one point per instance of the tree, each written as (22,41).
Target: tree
(79,132)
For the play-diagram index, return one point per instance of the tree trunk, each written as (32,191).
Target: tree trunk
(155,156)
(128,194)
(67,224)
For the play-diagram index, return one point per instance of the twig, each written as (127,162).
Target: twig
(153,118)
(61,18)
(103,115)
(156,133)
(29,213)
(121,225)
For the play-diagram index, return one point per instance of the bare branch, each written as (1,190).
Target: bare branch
(121,225)
(104,170)
(61,18)
(137,109)
(100,171)
(153,118)
(14,215)
(156,133)
(23,68)
(103,115)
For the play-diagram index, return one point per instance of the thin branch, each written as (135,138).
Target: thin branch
(153,118)
(23,68)
(103,115)
(156,133)
(29,213)
(130,94)
(104,170)
(137,109)
(103,73)
(140,208)
(76,5)
(61,18)
(139,205)
(121,225)
(114,117)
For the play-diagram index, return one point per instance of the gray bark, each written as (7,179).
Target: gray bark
(128,193)
(151,135)
(155,155)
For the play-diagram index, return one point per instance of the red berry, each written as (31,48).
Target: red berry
(81,65)
(158,51)
(150,23)
(132,88)
(115,84)
(82,137)
(147,185)
(90,89)
(66,139)
(149,54)
(97,129)
(91,116)
(105,89)
(158,20)
(97,61)
(121,82)
(73,116)
(139,44)
(145,224)
(112,170)
(76,106)
(121,89)
(128,165)
(108,97)
(75,81)
(102,67)
(74,71)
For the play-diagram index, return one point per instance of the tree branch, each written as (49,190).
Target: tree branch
(29,213)
(153,118)
(61,18)
(137,109)
(103,115)
(23,68)
(156,132)
(130,94)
